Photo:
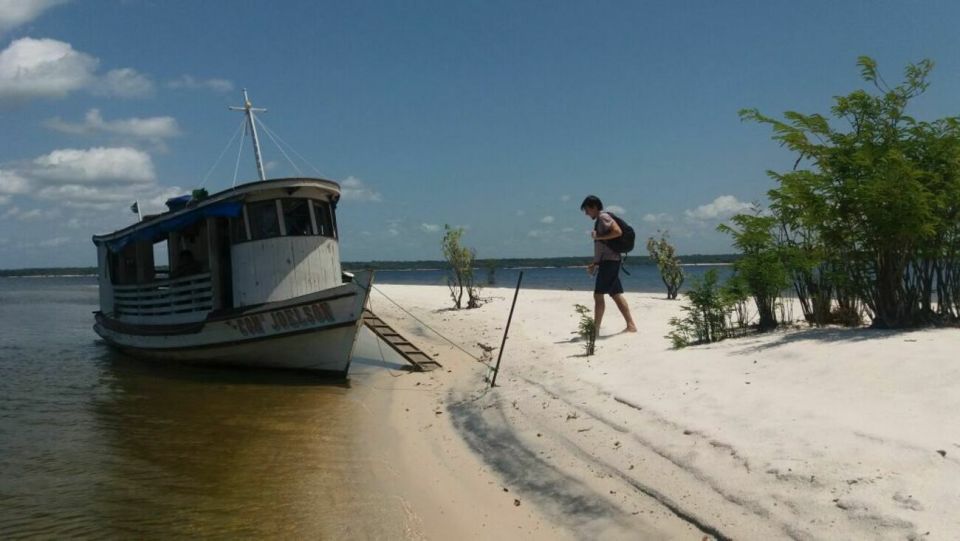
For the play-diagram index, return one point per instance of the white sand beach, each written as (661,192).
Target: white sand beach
(802,434)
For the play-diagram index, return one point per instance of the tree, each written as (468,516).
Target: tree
(663,253)
(460,278)
(871,206)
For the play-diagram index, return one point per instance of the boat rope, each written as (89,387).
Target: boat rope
(269,133)
(236,168)
(222,152)
(289,146)
(438,333)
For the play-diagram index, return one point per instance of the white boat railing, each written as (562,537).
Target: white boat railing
(185,295)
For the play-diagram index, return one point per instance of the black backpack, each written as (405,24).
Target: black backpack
(624,243)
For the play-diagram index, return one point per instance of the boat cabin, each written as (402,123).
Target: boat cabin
(257,243)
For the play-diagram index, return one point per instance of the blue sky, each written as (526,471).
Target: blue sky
(496,116)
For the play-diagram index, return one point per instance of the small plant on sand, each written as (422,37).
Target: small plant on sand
(587,329)
(667,261)
(705,317)
(461,277)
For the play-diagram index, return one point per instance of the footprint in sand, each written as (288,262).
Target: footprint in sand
(907,502)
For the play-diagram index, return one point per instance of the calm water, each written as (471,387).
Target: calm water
(642,278)
(96,444)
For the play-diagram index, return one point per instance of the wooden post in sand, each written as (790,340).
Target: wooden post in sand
(496,369)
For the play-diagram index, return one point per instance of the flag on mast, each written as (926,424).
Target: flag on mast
(135,208)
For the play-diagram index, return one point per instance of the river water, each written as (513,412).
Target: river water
(97,444)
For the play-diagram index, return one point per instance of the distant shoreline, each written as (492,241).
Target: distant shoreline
(694,260)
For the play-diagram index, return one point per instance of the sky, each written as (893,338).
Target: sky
(498,117)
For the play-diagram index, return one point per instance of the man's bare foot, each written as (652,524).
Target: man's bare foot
(630,328)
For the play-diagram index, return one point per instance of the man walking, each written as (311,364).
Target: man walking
(606,262)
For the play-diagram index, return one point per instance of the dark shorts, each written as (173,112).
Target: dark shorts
(608,278)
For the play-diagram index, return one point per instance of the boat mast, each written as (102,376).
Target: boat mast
(249,109)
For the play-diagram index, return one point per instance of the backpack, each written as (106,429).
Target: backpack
(624,243)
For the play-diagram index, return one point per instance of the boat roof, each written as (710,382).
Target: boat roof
(225,203)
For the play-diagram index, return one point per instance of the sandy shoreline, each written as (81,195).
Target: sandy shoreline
(818,434)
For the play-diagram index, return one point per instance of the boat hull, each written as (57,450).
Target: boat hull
(314,332)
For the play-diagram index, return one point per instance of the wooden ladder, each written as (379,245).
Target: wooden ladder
(420,361)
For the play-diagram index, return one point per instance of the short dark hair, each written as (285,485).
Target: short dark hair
(593,202)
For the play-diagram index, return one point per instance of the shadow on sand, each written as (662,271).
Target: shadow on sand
(569,500)
(828,335)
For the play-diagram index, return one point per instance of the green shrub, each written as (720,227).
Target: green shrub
(871,205)
(587,329)
(663,253)
(460,278)
(706,314)
(761,268)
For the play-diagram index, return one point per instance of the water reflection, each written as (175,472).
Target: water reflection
(234,452)
(97,444)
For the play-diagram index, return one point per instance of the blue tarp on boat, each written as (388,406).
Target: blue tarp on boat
(177,203)
(225,209)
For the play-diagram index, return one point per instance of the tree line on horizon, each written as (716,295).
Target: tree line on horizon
(695,259)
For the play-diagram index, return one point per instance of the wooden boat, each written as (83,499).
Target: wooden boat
(252,278)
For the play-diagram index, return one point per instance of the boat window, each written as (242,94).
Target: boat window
(296,217)
(324,219)
(264,222)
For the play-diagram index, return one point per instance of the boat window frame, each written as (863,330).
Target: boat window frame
(313,217)
(305,201)
(265,204)
(278,202)
(331,215)
(246,223)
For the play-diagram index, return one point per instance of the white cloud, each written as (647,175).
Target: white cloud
(12,212)
(188,82)
(521,213)
(151,128)
(616,209)
(14,13)
(567,230)
(99,165)
(547,220)
(47,68)
(430,228)
(722,207)
(4,199)
(152,198)
(43,68)
(564,198)
(657,218)
(12,183)
(355,189)
(123,83)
